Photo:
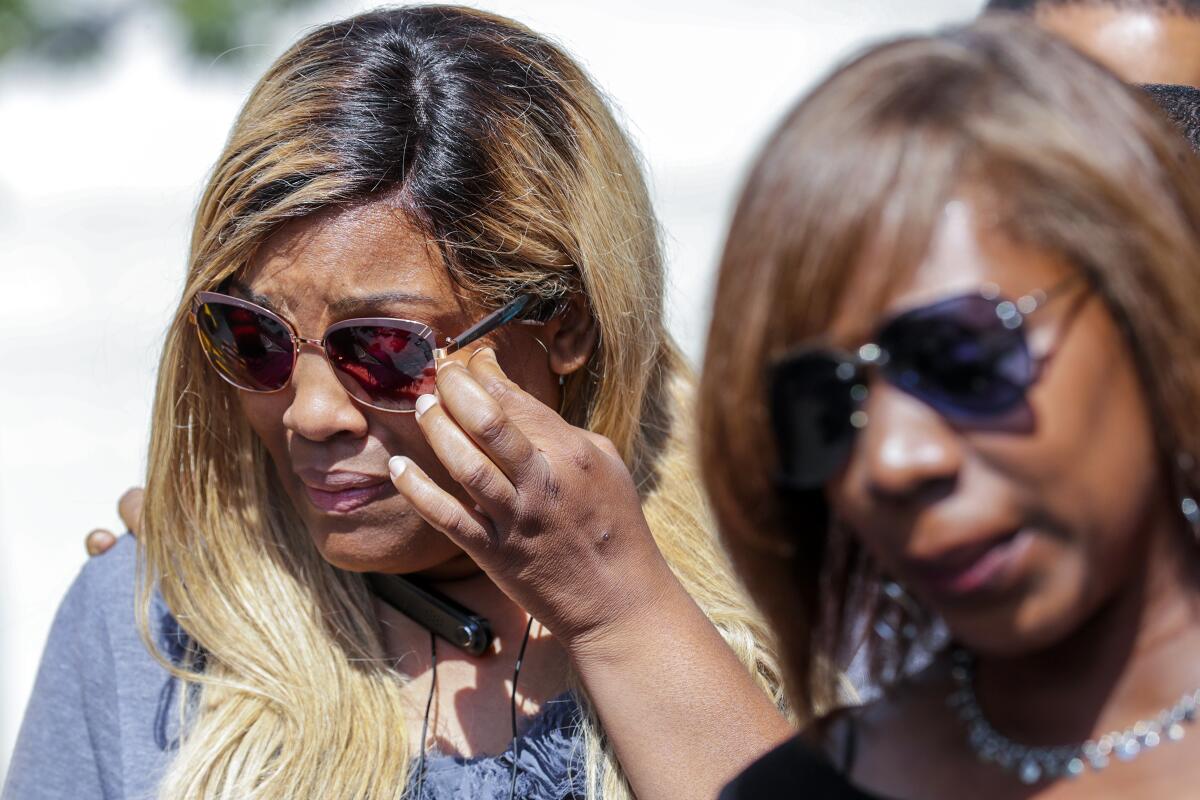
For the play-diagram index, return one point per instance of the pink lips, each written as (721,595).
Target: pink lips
(973,568)
(343,492)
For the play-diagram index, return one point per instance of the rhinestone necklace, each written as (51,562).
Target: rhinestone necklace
(1034,764)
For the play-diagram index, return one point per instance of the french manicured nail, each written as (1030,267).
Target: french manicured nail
(424,403)
(396,465)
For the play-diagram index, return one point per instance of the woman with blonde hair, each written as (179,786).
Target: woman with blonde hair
(426,235)
(949,408)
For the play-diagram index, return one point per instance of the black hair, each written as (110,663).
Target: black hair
(1189,7)
(1182,105)
(458,117)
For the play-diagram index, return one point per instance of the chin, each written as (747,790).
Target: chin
(1029,625)
(359,550)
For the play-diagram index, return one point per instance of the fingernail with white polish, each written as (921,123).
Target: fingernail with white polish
(396,465)
(424,403)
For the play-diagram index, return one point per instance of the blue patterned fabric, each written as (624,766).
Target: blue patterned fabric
(550,765)
(102,722)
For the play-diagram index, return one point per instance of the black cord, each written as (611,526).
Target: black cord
(428,706)
(512,786)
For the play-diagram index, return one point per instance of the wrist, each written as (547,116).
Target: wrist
(644,604)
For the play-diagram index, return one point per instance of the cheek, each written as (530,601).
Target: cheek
(264,414)
(1095,468)
(527,363)
(399,435)
(1088,479)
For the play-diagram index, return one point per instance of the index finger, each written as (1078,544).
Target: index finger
(484,420)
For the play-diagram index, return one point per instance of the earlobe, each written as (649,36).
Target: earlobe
(572,336)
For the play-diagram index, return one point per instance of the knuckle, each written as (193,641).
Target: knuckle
(499,387)
(606,446)
(459,527)
(492,426)
(448,373)
(477,474)
(582,458)
(550,486)
(525,519)
(449,516)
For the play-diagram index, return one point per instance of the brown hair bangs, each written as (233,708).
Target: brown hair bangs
(852,185)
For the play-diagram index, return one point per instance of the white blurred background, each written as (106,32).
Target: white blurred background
(101,165)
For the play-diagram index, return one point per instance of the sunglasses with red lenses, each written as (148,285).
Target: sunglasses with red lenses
(381,362)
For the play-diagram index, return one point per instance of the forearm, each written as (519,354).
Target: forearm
(683,713)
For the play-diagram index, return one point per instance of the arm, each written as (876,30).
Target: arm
(558,525)
(682,712)
(66,721)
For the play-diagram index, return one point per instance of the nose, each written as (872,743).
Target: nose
(907,452)
(320,408)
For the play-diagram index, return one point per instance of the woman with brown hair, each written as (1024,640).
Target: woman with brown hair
(418,392)
(949,407)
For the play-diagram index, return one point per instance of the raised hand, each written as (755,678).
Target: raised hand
(557,521)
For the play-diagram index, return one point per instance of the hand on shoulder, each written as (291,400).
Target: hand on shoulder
(101,540)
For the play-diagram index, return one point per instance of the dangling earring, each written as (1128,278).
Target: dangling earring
(562,379)
(901,620)
(1188,506)
(1191,512)
(908,633)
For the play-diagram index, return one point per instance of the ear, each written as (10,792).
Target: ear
(571,336)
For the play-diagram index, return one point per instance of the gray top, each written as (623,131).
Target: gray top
(102,719)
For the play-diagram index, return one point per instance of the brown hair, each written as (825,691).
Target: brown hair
(1073,161)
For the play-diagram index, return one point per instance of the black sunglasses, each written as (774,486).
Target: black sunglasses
(381,362)
(966,356)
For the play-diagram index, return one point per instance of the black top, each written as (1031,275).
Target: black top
(793,770)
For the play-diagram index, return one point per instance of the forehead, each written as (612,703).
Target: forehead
(344,253)
(968,249)
(1141,45)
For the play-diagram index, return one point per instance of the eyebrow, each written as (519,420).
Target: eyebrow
(237,288)
(362,305)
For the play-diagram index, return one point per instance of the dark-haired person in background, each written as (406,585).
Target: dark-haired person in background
(952,389)
(1143,41)
(1182,105)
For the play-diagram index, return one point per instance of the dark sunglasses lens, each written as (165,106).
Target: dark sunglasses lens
(960,356)
(812,401)
(251,350)
(385,367)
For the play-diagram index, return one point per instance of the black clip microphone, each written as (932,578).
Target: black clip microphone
(434,611)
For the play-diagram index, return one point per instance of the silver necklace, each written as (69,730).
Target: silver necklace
(1035,764)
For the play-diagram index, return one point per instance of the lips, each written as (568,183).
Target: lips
(343,492)
(978,567)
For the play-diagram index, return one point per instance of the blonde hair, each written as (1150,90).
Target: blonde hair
(498,146)
(855,179)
